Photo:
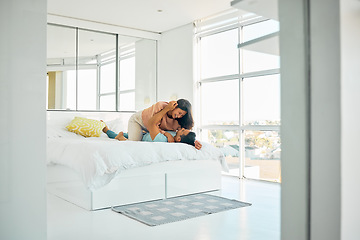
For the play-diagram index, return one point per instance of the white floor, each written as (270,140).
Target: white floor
(261,221)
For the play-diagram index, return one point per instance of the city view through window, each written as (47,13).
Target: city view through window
(239,87)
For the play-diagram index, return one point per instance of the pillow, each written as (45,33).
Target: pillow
(86,127)
(116,125)
(54,132)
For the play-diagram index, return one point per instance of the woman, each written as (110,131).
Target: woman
(180,117)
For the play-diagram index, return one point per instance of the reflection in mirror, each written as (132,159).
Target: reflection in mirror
(91,70)
(95,51)
(61,61)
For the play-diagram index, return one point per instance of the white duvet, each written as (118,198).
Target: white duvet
(99,160)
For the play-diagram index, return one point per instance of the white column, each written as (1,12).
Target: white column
(295,121)
(311,134)
(23,111)
(325,101)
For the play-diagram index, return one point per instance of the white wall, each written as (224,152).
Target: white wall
(175,64)
(22,107)
(350,119)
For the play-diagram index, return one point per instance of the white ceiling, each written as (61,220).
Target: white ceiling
(139,14)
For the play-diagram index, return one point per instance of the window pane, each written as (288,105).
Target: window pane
(260,56)
(220,102)
(228,142)
(87,89)
(107,78)
(259,29)
(127,101)
(127,74)
(262,155)
(70,92)
(107,103)
(261,97)
(219,54)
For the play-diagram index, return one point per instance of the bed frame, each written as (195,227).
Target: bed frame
(156,181)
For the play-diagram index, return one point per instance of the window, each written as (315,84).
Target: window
(220,102)
(239,92)
(261,100)
(219,54)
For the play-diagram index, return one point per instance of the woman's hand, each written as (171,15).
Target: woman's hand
(169,137)
(171,106)
(197,145)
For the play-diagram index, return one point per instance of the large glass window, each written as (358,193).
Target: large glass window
(261,100)
(220,102)
(228,142)
(259,29)
(239,94)
(219,54)
(262,55)
(262,155)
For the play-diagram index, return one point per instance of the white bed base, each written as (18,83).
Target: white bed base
(156,181)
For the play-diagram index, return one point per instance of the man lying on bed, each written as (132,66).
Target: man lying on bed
(155,134)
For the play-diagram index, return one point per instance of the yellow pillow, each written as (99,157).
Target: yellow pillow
(86,127)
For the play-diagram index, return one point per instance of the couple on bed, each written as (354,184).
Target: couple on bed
(162,122)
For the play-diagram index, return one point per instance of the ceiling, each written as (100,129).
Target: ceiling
(148,15)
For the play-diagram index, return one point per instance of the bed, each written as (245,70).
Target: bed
(99,172)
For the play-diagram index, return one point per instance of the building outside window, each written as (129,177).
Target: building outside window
(238,91)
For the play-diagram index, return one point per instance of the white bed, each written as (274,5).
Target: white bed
(96,173)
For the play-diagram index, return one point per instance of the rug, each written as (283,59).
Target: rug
(175,209)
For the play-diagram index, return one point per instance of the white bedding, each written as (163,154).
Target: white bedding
(99,160)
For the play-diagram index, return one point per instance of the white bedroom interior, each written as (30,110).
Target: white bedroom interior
(305,115)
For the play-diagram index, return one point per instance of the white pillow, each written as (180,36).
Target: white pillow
(58,131)
(117,125)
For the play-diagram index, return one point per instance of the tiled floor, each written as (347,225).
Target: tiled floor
(261,221)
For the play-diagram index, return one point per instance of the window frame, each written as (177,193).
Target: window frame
(236,23)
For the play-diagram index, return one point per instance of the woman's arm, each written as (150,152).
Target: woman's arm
(154,121)
(169,137)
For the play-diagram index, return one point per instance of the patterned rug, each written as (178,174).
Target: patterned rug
(169,210)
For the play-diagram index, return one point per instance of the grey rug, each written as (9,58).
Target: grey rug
(169,210)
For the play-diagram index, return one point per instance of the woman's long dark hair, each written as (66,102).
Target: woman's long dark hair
(187,120)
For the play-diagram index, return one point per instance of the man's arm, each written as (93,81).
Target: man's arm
(154,121)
